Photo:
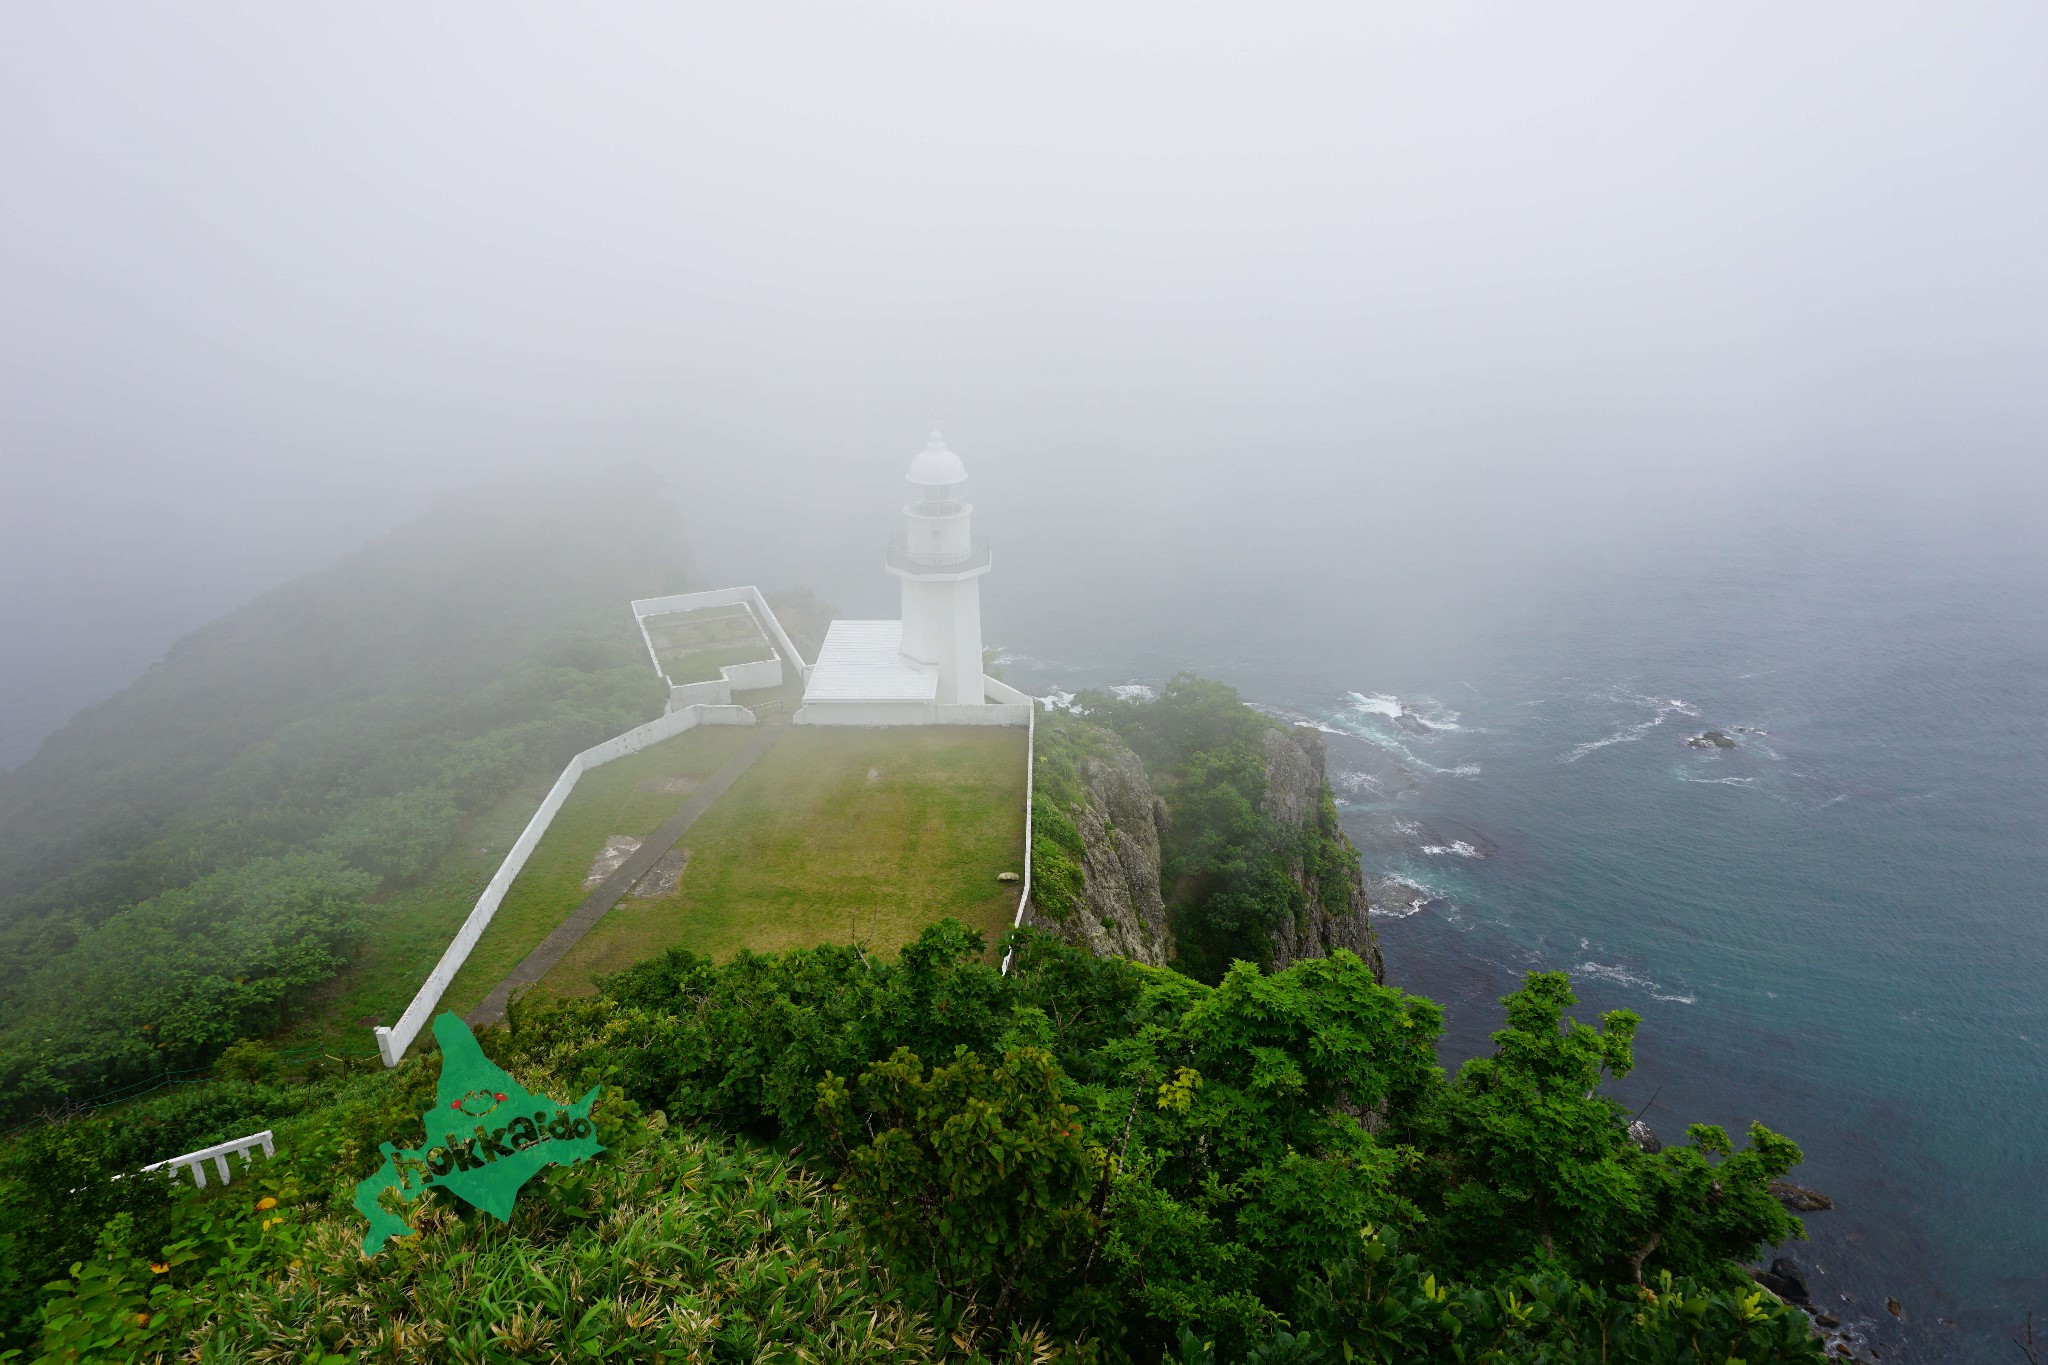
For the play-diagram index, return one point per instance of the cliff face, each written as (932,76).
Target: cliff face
(1097,858)
(1334,913)
(1118,911)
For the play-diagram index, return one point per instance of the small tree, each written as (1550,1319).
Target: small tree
(973,1178)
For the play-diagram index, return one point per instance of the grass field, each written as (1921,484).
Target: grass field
(623,797)
(834,835)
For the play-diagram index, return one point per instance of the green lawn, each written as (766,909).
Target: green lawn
(702,665)
(833,835)
(607,801)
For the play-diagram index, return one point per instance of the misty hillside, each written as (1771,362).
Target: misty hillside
(320,744)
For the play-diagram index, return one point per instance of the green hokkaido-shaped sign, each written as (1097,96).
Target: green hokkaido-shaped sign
(486,1137)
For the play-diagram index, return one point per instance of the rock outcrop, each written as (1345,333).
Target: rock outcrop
(1334,916)
(1121,912)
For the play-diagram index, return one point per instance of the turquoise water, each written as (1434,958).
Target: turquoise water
(1839,927)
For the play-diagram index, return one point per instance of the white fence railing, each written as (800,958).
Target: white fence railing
(393,1041)
(1010,696)
(218,1154)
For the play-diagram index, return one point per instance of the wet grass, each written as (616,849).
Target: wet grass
(835,834)
(608,800)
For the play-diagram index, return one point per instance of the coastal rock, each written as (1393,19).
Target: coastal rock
(1798,1198)
(1644,1137)
(1122,913)
(1784,1280)
(1296,795)
(1711,739)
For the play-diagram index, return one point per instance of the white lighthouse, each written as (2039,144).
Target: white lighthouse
(940,562)
(924,669)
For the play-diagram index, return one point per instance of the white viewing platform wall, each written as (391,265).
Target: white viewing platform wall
(741,677)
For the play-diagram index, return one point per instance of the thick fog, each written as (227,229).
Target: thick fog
(1197,291)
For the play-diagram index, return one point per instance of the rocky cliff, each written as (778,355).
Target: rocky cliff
(1097,855)
(1100,821)
(1334,913)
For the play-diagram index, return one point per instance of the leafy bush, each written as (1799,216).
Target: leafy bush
(1124,1155)
(180,976)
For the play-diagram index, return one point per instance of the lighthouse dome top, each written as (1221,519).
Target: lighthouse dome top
(936,466)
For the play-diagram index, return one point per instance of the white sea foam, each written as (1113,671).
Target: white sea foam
(1134,692)
(1621,976)
(1421,895)
(1719,781)
(1457,846)
(1626,736)
(1058,700)
(1376,704)
(1667,707)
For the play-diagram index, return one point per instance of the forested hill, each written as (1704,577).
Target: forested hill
(178,859)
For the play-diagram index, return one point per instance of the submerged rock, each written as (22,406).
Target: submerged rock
(1784,1280)
(1798,1198)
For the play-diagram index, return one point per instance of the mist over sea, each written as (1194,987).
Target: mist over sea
(1836,927)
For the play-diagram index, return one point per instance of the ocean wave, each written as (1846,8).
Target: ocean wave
(1133,692)
(1457,846)
(1418,896)
(1375,704)
(1622,976)
(1422,715)
(1719,781)
(1667,707)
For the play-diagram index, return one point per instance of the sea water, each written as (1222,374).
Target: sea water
(1837,927)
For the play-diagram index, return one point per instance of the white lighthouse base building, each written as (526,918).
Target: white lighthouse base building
(924,669)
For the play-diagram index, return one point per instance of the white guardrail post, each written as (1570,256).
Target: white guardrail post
(1030,780)
(218,1154)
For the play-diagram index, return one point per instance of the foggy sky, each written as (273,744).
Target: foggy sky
(1298,286)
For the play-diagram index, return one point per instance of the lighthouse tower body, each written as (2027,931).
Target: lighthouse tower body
(924,668)
(940,561)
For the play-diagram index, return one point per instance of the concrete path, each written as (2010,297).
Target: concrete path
(556,945)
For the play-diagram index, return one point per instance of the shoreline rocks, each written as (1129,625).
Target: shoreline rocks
(1798,1198)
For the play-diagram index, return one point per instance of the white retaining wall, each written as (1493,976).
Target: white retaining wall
(749,676)
(722,597)
(992,713)
(392,1042)
(716,692)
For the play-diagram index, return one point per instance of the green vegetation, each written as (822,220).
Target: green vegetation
(1063,742)
(1084,1160)
(834,834)
(632,795)
(184,864)
(1231,874)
